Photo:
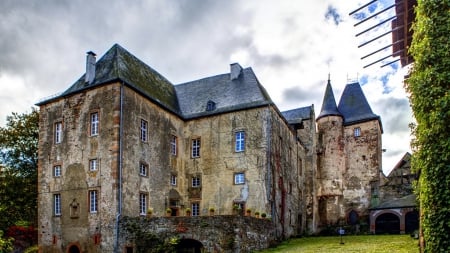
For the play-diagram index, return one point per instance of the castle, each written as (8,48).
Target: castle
(124,141)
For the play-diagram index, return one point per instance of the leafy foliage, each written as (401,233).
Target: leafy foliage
(429,86)
(6,244)
(18,169)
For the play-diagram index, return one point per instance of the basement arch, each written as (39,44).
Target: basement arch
(73,249)
(189,246)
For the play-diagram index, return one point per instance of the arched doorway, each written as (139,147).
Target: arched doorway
(387,223)
(411,221)
(189,246)
(74,249)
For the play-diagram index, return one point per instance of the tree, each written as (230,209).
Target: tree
(429,85)
(18,169)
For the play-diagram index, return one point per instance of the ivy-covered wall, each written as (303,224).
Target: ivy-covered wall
(429,85)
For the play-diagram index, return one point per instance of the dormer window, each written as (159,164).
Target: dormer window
(210,106)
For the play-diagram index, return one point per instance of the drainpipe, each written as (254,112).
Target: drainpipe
(119,188)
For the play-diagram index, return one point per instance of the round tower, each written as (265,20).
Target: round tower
(330,161)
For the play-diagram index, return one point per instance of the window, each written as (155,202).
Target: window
(57,170)
(173,145)
(144,129)
(196,182)
(240,141)
(94,123)
(93,201)
(357,132)
(195,148)
(143,169)
(195,209)
(93,165)
(143,203)
(58,132)
(57,204)
(239,178)
(173,180)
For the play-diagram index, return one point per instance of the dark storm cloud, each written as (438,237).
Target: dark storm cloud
(396,114)
(300,94)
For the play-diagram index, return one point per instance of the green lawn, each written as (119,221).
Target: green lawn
(359,243)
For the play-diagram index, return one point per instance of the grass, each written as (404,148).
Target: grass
(357,243)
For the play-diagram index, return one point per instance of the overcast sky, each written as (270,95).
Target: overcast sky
(291,46)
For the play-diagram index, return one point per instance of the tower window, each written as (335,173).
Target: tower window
(357,132)
(58,132)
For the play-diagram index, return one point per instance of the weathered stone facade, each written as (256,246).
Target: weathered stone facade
(143,155)
(218,233)
(123,141)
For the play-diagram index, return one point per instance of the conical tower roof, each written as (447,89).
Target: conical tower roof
(329,107)
(354,106)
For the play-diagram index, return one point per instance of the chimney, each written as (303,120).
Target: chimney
(235,71)
(90,67)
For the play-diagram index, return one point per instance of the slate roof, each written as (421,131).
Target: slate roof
(406,201)
(119,65)
(226,94)
(296,116)
(329,107)
(187,100)
(354,106)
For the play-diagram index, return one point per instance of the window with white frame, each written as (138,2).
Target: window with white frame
(239,178)
(195,209)
(94,123)
(143,201)
(57,204)
(143,169)
(357,131)
(57,170)
(58,132)
(196,182)
(93,201)
(239,141)
(93,165)
(196,148)
(173,180)
(144,130)
(173,145)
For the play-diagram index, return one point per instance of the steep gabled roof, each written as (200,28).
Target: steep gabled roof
(329,107)
(354,106)
(119,65)
(296,116)
(226,94)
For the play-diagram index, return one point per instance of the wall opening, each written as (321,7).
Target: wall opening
(411,222)
(189,246)
(74,249)
(387,223)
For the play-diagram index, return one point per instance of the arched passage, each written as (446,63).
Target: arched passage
(74,249)
(411,221)
(189,246)
(387,223)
